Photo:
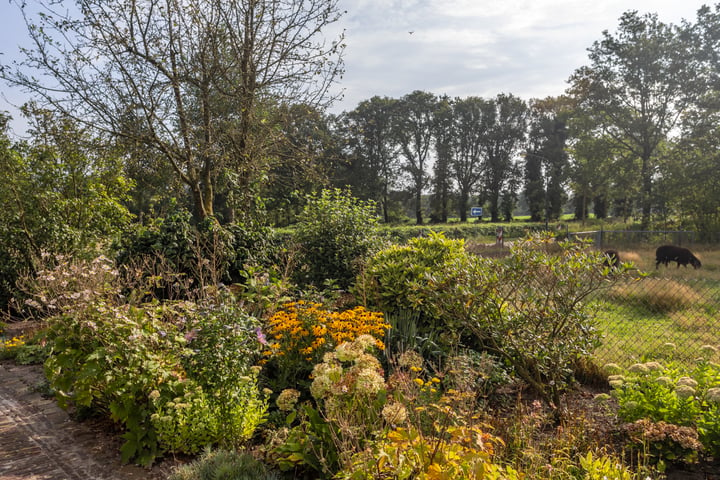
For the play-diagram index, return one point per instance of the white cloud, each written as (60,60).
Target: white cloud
(478,47)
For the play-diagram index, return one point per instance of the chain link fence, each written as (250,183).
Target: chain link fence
(603,238)
(659,317)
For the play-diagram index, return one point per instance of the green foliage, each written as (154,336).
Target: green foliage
(394,278)
(310,443)
(111,359)
(224,465)
(61,194)
(457,231)
(453,447)
(223,352)
(666,397)
(335,234)
(206,253)
(30,354)
(128,361)
(184,424)
(526,309)
(603,468)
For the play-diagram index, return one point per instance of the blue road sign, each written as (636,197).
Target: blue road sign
(476,211)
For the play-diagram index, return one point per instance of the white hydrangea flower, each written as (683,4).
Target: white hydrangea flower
(684,391)
(394,413)
(713,395)
(612,368)
(369,382)
(687,381)
(653,366)
(640,368)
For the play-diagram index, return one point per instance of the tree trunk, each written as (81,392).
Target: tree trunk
(463,207)
(418,207)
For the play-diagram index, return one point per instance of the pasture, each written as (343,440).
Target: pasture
(661,314)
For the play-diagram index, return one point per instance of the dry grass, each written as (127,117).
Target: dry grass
(487,250)
(657,295)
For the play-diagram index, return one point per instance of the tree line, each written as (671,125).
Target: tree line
(221,107)
(634,136)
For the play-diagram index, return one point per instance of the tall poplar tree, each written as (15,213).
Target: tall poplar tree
(473,122)
(502,142)
(414,120)
(372,168)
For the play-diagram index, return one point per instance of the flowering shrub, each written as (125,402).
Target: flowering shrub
(166,372)
(301,333)
(347,384)
(665,441)
(305,328)
(9,348)
(453,450)
(666,397)
(350,392)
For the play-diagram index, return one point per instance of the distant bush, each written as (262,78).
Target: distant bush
(402,234)
(335,234)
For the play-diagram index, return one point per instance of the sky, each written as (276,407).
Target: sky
(461,48)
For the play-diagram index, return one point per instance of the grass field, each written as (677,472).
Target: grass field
(666,313)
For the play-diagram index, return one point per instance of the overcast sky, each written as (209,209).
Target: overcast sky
(456,47)
(478,47)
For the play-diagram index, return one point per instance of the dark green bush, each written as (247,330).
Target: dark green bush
(206,253)
(335,235)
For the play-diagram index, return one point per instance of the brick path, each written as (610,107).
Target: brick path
(38,441)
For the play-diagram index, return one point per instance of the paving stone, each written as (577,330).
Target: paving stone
(39,441)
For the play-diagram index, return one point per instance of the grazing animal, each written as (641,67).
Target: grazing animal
(612,258)
(670,253)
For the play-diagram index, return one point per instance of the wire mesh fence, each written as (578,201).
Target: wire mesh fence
(659,317)
(603,238)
